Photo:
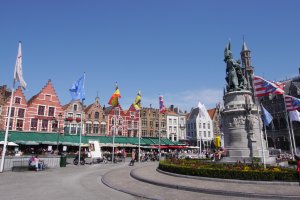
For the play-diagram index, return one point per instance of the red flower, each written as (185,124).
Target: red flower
(78,119)
(69,119)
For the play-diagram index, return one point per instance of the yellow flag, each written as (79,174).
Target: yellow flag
(137,103)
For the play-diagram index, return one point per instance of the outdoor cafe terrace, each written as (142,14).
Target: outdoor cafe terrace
(38,138)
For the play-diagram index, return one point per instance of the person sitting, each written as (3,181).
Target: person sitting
(35,162)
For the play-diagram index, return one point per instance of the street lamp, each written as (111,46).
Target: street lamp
(57,122)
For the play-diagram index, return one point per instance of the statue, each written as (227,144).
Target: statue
(234,74)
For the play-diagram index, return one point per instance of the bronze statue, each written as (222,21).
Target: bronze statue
(234,74)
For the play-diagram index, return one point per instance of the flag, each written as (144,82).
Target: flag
(18,75)
(294,115)
(162,107)
(292,103)
(137,103)
(114,99)
(264,87)
(77,89)
(266,116)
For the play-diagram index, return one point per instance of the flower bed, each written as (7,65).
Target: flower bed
(239,171)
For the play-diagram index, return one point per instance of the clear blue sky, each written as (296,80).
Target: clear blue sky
(169,47)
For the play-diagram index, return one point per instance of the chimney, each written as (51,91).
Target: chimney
(172,108)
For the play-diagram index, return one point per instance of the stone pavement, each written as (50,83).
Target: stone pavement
(121,179)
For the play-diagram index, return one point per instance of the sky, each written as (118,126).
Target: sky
(161,47)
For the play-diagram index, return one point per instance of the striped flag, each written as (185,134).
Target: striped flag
(162,107)
(264,87)
(18,75)
(114,99)
(292,103)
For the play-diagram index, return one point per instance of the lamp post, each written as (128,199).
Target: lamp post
(58,130)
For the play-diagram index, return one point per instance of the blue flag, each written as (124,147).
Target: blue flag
(77,89)
(266,116)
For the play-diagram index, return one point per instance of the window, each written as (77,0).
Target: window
(96,128)
(135,125)
(170,129)
(120,131)
(200,134)
(73,128)
(129,124)
(116,111)
(170,121)
(48,97)
(44,125)
(75,107)
(208,125)
(204,133)
(41,110)
(208,133)
(144,123)
(21,112)
(120,122)
(10,124)
(204,125)
(156,124)
(151,124)
(78,115)
(17,100)
(88,127)
(33,124)
(200,125)
(131,114)
(102,128)
(12,111)
(51,111)
(70,114)
(174,121)
(19,126)
(55,126)
(96,115)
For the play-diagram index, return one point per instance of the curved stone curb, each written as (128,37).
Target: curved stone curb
(106,182)
(210,191)
(229,180)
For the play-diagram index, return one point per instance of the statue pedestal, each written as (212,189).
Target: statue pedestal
(242,127)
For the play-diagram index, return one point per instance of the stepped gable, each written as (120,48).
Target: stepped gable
(211,112)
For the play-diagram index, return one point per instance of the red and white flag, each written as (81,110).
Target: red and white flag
(264,87)
(292,103)
(18,75)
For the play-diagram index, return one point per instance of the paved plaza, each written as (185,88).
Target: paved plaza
(120,181)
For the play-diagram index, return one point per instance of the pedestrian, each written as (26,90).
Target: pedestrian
(132,158)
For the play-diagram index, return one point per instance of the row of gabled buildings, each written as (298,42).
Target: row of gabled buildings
(44,113)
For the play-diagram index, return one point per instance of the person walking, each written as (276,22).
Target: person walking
(132,157)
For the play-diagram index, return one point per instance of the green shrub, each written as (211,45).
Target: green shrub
(239,171)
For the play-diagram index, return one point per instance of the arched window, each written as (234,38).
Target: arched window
(96,115)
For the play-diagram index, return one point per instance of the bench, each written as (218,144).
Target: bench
(23,165)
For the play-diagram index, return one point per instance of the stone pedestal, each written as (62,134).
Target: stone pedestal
(242,127)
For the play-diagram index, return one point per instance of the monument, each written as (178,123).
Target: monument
(242,124)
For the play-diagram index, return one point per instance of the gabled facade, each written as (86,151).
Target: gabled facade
(18,120)
(115,121)
(172,125)
(199,126)
(132,119)
(95,120)
(44,111)
(153,122)
(72,113)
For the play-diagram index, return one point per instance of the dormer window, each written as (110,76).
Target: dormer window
(17,100)
(75,107)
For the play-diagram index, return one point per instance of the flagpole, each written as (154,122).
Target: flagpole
(139,135)
(261,137)
(293,136)
(159,134)
(259,123)
(289,128)
(7,127)
(113,147)
(81,131)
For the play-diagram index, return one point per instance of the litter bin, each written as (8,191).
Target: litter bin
(63,161)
